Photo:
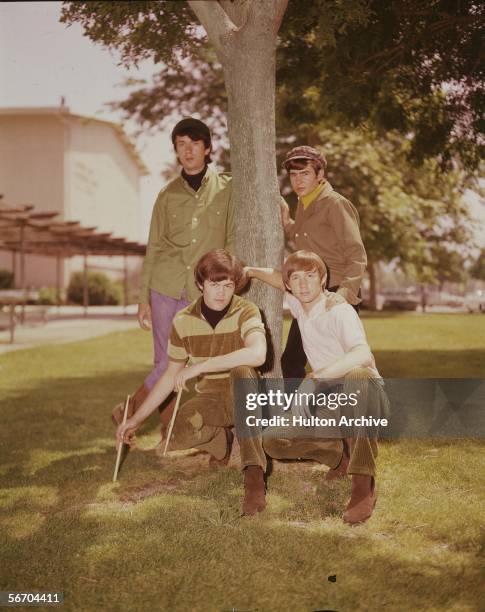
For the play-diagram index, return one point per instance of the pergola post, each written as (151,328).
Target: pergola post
(85,285)
(58,279)
(22,270)
(14,259)
(125,284)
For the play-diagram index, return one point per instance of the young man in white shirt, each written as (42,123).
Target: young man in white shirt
(336,347)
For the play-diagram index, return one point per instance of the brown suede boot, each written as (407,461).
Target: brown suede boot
(341,470)
(214,463)
(254,490)
(362,500)
(136,400)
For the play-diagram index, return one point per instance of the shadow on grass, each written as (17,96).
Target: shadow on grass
(430,363)
(68,528)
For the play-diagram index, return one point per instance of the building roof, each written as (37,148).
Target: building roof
(63,111)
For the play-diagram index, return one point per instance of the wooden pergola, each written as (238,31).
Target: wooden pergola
(23,231)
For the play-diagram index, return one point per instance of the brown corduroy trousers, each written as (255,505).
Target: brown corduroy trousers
(363,450)
(201,420)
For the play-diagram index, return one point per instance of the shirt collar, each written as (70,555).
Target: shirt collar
(207,177)
(195,309)
(317,309)
(312,196)
(323,190)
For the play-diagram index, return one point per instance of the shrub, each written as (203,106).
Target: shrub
(47,296)
(101,290)
(6,279)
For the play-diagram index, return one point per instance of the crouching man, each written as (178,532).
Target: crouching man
(217,338)
(336,347)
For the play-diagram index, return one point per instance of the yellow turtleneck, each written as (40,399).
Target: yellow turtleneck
(312,196)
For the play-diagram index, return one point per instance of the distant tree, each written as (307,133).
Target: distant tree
(406,65)
(477,269)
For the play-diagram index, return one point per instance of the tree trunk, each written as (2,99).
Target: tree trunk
(371,270)
(245,41)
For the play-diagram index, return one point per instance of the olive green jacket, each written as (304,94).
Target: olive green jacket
(186,224)
(329,226)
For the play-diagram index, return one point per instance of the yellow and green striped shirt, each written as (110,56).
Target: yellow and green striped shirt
(192,337)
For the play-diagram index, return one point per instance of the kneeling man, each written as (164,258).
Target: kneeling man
(336,347)
(215,339)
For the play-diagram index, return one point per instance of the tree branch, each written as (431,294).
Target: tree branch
(215,21)
(280,8)
(237,10)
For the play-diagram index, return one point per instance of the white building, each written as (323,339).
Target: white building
(85,169)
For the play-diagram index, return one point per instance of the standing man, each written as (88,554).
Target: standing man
(216,339)
(192,214)
(327,224)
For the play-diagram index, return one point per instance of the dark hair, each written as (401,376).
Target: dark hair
(218,265)
(305,261)
(195,130)
(300,164)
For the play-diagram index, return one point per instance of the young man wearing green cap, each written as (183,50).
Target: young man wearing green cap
(327,224)
(193,214)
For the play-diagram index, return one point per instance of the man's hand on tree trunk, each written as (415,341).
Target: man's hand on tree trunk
(286,219)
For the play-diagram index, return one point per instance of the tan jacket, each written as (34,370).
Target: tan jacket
(186,224)
(330,227)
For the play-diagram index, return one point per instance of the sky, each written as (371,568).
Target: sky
(42,60)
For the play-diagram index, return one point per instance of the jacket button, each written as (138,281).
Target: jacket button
(296,235)
(304,233)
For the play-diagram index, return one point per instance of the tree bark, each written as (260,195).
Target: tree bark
(245,41)
(371,270)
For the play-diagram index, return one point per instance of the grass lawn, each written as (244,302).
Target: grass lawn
(168,535)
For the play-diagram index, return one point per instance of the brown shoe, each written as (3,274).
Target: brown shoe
(214,463)
(136,400)
(254,490)
(362,501)
(341,470)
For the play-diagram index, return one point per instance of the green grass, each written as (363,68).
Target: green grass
(432,345)
(168,535)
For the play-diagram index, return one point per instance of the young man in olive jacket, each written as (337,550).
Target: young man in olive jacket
(193,214)
(327,224)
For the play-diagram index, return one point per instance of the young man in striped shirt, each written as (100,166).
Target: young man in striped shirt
(216,339)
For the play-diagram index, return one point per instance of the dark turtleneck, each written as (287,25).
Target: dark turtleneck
(213,316)
(195,180)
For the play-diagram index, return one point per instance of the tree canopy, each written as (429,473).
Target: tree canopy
(399,65)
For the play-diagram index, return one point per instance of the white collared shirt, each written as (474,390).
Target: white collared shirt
(328,335)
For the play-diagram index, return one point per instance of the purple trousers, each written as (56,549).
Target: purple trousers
(164,308)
